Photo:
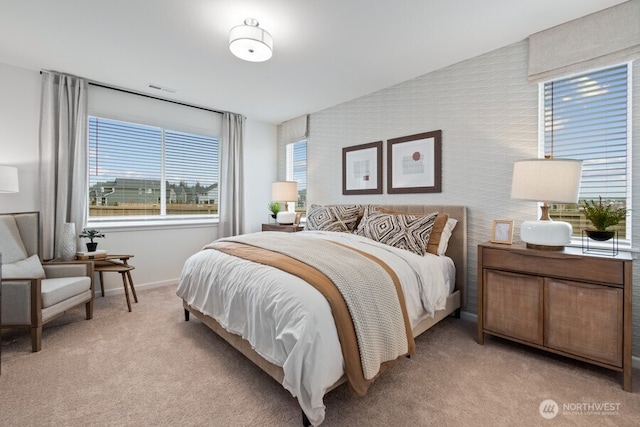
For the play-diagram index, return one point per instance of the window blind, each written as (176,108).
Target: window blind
(585,117)
(297,169)
(136,169)
(125,163)
(192,164)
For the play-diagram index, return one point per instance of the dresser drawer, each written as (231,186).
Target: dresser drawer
(589,269)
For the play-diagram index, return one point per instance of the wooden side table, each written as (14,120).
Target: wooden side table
(565,302)
(283,228)
(118,264)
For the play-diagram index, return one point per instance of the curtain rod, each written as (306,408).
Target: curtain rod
(132,92)
(153,97)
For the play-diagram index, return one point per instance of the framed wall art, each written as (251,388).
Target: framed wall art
(362,169)
(414,163)
(502,231)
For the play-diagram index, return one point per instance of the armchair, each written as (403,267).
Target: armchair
(35,292)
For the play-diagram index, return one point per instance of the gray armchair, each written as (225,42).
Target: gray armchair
(33,292)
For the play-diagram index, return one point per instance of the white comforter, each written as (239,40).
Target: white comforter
(288,322)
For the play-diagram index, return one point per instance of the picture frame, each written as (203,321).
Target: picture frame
(362,169)
(502,231)
(414,163)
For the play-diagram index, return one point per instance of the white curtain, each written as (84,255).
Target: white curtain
(63,157)
(231,206)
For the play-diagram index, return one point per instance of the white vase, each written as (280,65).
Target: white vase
(67,246)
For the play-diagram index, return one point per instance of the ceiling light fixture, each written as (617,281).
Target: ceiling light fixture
(250,42)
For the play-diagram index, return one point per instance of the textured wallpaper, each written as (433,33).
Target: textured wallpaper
(488,113)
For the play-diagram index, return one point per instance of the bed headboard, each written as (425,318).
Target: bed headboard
(457,249)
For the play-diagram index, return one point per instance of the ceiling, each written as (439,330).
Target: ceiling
(325,51)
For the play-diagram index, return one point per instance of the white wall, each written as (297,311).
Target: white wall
(19,123)
(159,252)
(259,171)
(487,111)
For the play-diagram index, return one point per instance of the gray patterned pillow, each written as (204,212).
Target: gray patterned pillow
(410,232)
(332,217)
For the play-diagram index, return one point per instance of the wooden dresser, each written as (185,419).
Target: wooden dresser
(566,302)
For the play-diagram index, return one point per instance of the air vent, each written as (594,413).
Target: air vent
(162,88)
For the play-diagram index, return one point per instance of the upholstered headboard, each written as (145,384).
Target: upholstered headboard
(457,249)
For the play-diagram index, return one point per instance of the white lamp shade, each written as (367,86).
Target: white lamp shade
(284,191)
(547,180)
(250,42)
(9,179)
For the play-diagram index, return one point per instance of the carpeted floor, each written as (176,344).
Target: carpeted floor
(151,368)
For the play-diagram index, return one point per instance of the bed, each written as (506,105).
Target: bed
(290,330)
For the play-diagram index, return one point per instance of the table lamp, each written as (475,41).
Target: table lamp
(546,180)
(285,192)
(9,179)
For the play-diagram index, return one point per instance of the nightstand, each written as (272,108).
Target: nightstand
(564,302)
(284,228)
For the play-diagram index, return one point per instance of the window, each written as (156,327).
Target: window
(297,171)
(586,117)
(139,170)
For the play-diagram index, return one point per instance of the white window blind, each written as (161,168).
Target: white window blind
(297,170)
(586,118)
(192,168)
(139,170)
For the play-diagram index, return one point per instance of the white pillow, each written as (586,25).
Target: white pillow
(446,235)
(29,268)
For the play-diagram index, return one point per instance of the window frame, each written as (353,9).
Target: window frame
(577,240)
(162,220)
(290,171)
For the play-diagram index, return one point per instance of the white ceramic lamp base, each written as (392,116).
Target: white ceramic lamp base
(286,218)
(548,235)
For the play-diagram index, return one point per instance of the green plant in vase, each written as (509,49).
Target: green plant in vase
(275,207)
(91,233)
(602,216)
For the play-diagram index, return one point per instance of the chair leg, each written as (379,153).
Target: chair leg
(36,338)
(89,309)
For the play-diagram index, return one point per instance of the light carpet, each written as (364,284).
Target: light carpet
(151,368)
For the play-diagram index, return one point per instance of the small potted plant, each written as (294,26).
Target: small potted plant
(602,216)
(91,233)
(274,207)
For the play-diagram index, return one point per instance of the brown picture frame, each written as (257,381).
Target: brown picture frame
(414,163)
(502,231)
(362,169)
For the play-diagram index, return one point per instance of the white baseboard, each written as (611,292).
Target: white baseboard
(139,287)
(473,317)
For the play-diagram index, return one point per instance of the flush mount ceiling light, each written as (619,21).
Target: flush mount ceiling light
(250,42)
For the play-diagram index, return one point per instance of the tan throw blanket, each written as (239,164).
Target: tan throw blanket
(365,296)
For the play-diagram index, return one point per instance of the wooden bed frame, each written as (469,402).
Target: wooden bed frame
(457,251)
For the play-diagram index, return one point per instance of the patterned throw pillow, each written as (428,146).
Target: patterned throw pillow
(410,232)
(332,218)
